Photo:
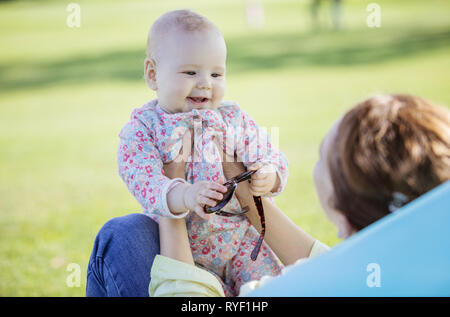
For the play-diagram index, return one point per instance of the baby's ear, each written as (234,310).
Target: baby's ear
(150,73)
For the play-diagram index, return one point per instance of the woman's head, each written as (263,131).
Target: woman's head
(383,153)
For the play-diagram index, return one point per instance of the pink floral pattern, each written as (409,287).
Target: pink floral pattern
(153,137)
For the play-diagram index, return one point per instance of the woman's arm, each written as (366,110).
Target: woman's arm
(173,237)
(174,272)
(174,242)
(287,240)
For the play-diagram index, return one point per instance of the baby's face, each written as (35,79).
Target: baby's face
(190,71)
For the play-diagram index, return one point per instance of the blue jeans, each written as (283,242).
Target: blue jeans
(122,257)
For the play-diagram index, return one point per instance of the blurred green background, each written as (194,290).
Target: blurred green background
(66,92)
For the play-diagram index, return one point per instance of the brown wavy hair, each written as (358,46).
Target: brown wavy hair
(385,145)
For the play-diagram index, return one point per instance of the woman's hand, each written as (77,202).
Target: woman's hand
(177,167)
(282,232)
(173,236)
(191,196)
(231,168)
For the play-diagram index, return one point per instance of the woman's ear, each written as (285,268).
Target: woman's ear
(150,73)
(344,226)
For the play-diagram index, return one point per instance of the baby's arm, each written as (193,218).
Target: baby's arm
(254,149)
(140,167)
(191,196)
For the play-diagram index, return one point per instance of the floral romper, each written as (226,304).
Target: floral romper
(221,245)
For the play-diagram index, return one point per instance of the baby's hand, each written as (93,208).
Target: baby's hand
(202,193)
(264,180)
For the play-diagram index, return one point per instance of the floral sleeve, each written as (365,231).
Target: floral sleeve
(141,168)
(253,145)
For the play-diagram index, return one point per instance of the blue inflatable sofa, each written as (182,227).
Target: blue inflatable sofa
(406,253)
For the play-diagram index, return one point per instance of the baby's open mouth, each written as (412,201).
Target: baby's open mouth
(198,100)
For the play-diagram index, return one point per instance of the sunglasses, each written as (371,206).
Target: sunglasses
(231,186)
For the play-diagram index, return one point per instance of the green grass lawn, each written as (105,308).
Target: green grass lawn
(66,92)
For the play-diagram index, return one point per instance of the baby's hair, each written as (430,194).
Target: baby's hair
(182,20)
(388,145)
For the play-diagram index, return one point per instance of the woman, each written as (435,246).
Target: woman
(384,153)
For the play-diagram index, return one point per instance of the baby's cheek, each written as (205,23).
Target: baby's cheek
(181,91)
(180,86)
(219,93)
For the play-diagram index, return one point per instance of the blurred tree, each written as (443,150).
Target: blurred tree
(335,13)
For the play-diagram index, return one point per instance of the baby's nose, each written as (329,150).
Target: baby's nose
(204,83)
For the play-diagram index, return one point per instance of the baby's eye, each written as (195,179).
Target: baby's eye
(189,73)
(216,75)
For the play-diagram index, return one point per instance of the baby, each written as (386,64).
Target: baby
(185,65)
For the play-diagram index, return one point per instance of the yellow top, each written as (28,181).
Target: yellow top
(172,278)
